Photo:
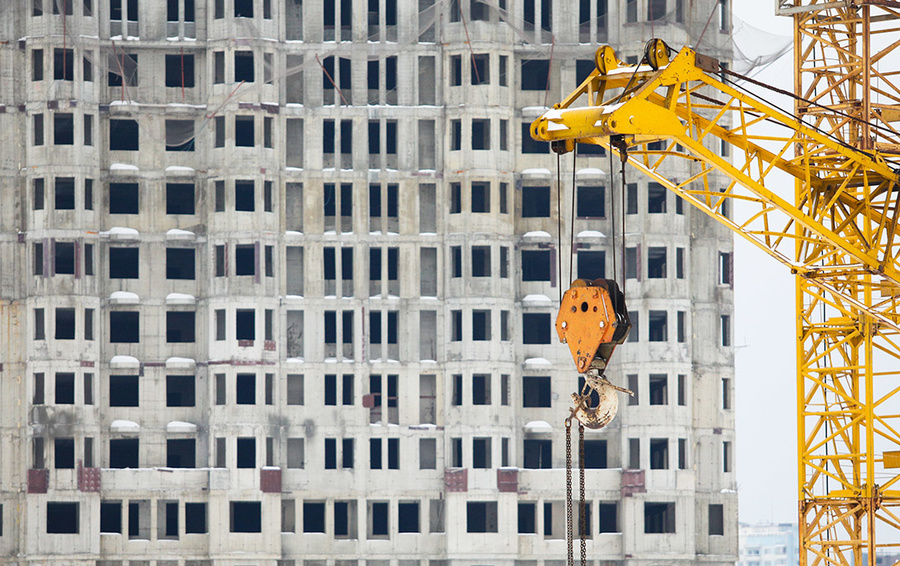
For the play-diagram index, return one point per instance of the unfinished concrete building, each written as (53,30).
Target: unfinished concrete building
(278,279)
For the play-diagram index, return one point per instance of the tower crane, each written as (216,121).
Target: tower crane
(837,231)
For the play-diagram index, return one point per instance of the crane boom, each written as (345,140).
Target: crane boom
(836,232)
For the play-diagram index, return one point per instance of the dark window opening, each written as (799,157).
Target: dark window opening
(111,517)
(481,452)
(124,327)
(246,389)
(313,517)
(631,198)
(195,518)
(63,63)
(609,517)
(123,453)
(658,323)
(244,196)
(244,132)
(64,193)
(181,453)
(245,259)
(246,517)
(536,328)
(537,453)
(595,454)
(179,135)
(527,518)
(65,258)
(716,519)
(535,73)
(180,71)
(180,263)
(656,263)
(481,517)
(124,391)
(481,261)
(480,68)
(659,518)
(62,518)
(124,263)
(481,136)
(536,391)
(123,198)
(659,389)
(179,198)
(481,389)
(408,517)
(64,453)
(659,453)
(123,135)
(180,391)
(535,202)
(656,198)
(243,66)
(591,202)
(591,265)
(245,320)
(65,324)
(246,452)
(63,129)
(481,196)
(180,327)
(536,265)
(65,389)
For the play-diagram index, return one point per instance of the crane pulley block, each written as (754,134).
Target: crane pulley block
(592,320)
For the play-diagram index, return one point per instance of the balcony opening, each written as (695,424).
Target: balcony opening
(123,198)
(659,517)
(537,453)
(180,326)
(124,391)
(124,327)
(536,328)
(535,202)
(180,391)
(65,388)
(408,517)
(659,453)
(656,262)
(481,517)
(481,452)
(123,453)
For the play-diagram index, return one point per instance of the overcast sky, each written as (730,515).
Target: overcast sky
(765,354)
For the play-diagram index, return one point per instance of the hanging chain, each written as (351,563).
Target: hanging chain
(570,559)
(581,509)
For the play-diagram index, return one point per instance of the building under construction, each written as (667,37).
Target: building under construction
(360,249)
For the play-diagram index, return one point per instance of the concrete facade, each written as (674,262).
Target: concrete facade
(254,313)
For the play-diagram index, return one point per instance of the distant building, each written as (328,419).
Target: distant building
(769,544)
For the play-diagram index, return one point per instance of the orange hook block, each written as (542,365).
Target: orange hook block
(592,320)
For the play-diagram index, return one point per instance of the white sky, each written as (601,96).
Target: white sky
(765,399)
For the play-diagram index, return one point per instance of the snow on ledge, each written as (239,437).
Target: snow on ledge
(120,362)
(294,360)
(180,170)
(177,234)
(537,362)
(180,299)
(538,427)
(534,111)
(590,234)
(291,233)
(124,426)
(121,233)
(537,234)
(180,363)
(181,427)
(539,173)
(589,172)
(537,300)
(124,298)
(123,168)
